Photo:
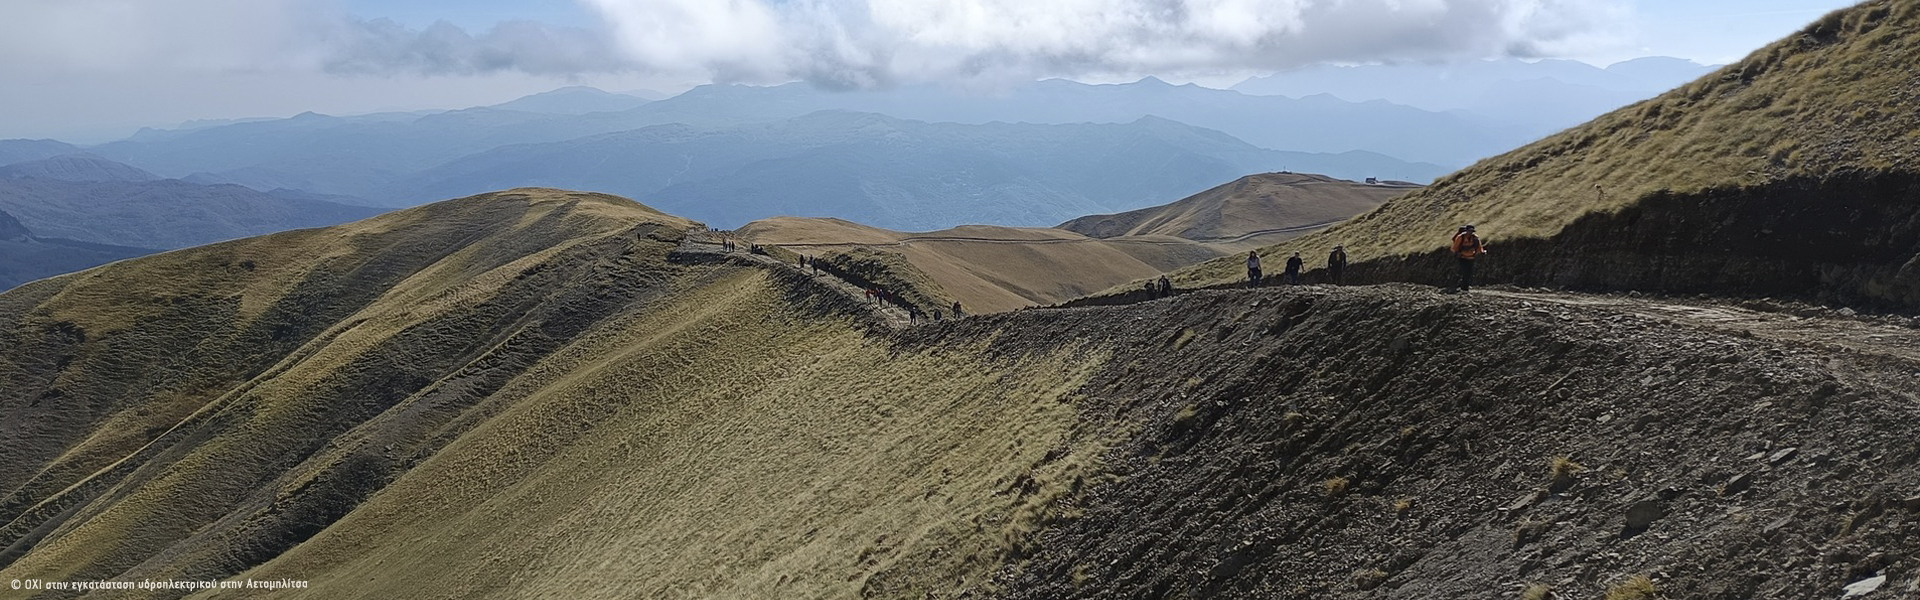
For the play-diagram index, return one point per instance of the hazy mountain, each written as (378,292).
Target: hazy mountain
(17,151)
(351,156)
(25,257)
(575,100)
(76,167)
(160,214)
(1543,96)
(364,156)
(1319,124)
(894,173)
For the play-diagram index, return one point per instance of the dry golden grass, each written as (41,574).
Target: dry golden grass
(704,439)
(480,244)
(737,453)
(993,269)
(1638,587)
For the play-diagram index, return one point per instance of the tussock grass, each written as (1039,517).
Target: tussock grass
(1638,587)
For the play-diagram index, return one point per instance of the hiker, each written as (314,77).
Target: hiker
(956,310)
(1467,248)
(1294,264)
(1336,264)
(1166,287)
(1253,268)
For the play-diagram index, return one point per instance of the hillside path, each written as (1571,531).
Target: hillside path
(700,242)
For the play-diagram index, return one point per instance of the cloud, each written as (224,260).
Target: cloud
(867,42)
(212,36)
(383,47)
(836,43)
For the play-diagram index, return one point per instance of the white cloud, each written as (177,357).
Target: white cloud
(861,42)
(848,43)
(210,36)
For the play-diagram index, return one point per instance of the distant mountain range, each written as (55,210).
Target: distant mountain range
(893,173)
(366,156)
(162,214)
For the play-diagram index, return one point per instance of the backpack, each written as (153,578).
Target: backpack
(1468,244)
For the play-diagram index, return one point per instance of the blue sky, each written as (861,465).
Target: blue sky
(1721,31)
(92,70)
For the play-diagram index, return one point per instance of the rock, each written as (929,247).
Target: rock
(1757,456)
(1738,484)
(1865,586)
(1774,528)
(1782,455)
(1913,504)
(1847,312)
(1643,513)
(1524,501)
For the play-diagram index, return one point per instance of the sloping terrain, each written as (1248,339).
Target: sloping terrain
(992,269)
(24,257)
(538,394)
(161,214)
(1788,172)
(1264,208)
(598,415)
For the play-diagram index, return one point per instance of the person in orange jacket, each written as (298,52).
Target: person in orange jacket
(1467,248)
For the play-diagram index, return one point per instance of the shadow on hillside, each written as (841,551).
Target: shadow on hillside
(1851,239)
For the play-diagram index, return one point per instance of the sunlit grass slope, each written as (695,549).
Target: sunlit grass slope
(717,447)
(512,395)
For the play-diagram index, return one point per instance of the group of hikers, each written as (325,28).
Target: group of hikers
(1466,249)
(1336,268)
(914,313)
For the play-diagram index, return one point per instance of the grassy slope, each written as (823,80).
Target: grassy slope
(1837,97)
(513,385)
(1051,265)
(174,402)
(734,451)
(1250,205)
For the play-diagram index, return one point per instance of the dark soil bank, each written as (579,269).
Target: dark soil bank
(1389,442)
(1848,239)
